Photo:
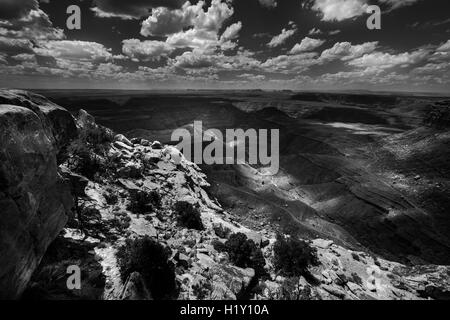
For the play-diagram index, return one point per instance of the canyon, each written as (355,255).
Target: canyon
(363,179)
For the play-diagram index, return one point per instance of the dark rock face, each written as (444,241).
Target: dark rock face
(35,200)
(57,122)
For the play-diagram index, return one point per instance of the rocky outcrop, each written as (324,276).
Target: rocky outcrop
(57,122)
(35,200)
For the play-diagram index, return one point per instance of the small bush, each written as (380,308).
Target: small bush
(121,222)
(188,215)
(202,290)
(98,135)
(84,161)
(111,197)
(293,256)
(244,253)
(150,259)
(142,202)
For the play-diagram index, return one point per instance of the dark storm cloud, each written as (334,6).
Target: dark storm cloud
(132,8)
(15,9)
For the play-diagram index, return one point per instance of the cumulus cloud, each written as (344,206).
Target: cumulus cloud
(338,10)
(196,59)
(131,9)
(35,25)
(307,44)
(74,50)
(281,38)
(163,22)
(290,63)
(346,51)
(193,60)
(444,47)
(383,60)
(25,57)
(232,31)
(145,50)
(314,31)
(193,26)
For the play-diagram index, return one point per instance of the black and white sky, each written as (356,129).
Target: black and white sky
(226,44)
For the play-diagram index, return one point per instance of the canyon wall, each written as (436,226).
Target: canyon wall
(35,200)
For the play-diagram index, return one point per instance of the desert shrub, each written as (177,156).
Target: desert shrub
(142,202)
(293,256)
(150,259)
(188,215)
(111,197)
(121,222)
(202,290)
(98,135)
(83,160)
(244,253)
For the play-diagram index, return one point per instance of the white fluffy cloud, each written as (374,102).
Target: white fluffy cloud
(338,10)
(290,63)
(346,51)
(145,50)
(194,26)
(307,44)
(164,21)
(74,50)
(232,31)
(281,38)
(130,9)
(35,25)
(444,47)
(383,60)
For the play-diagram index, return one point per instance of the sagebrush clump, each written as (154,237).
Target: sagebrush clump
(142,202)
(150,259)
(188,215)
(293,256)
(244,253)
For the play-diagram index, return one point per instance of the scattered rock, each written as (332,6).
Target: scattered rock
(157,145)
(122,139)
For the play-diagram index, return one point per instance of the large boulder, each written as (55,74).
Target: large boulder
(58,123)
(35,200)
